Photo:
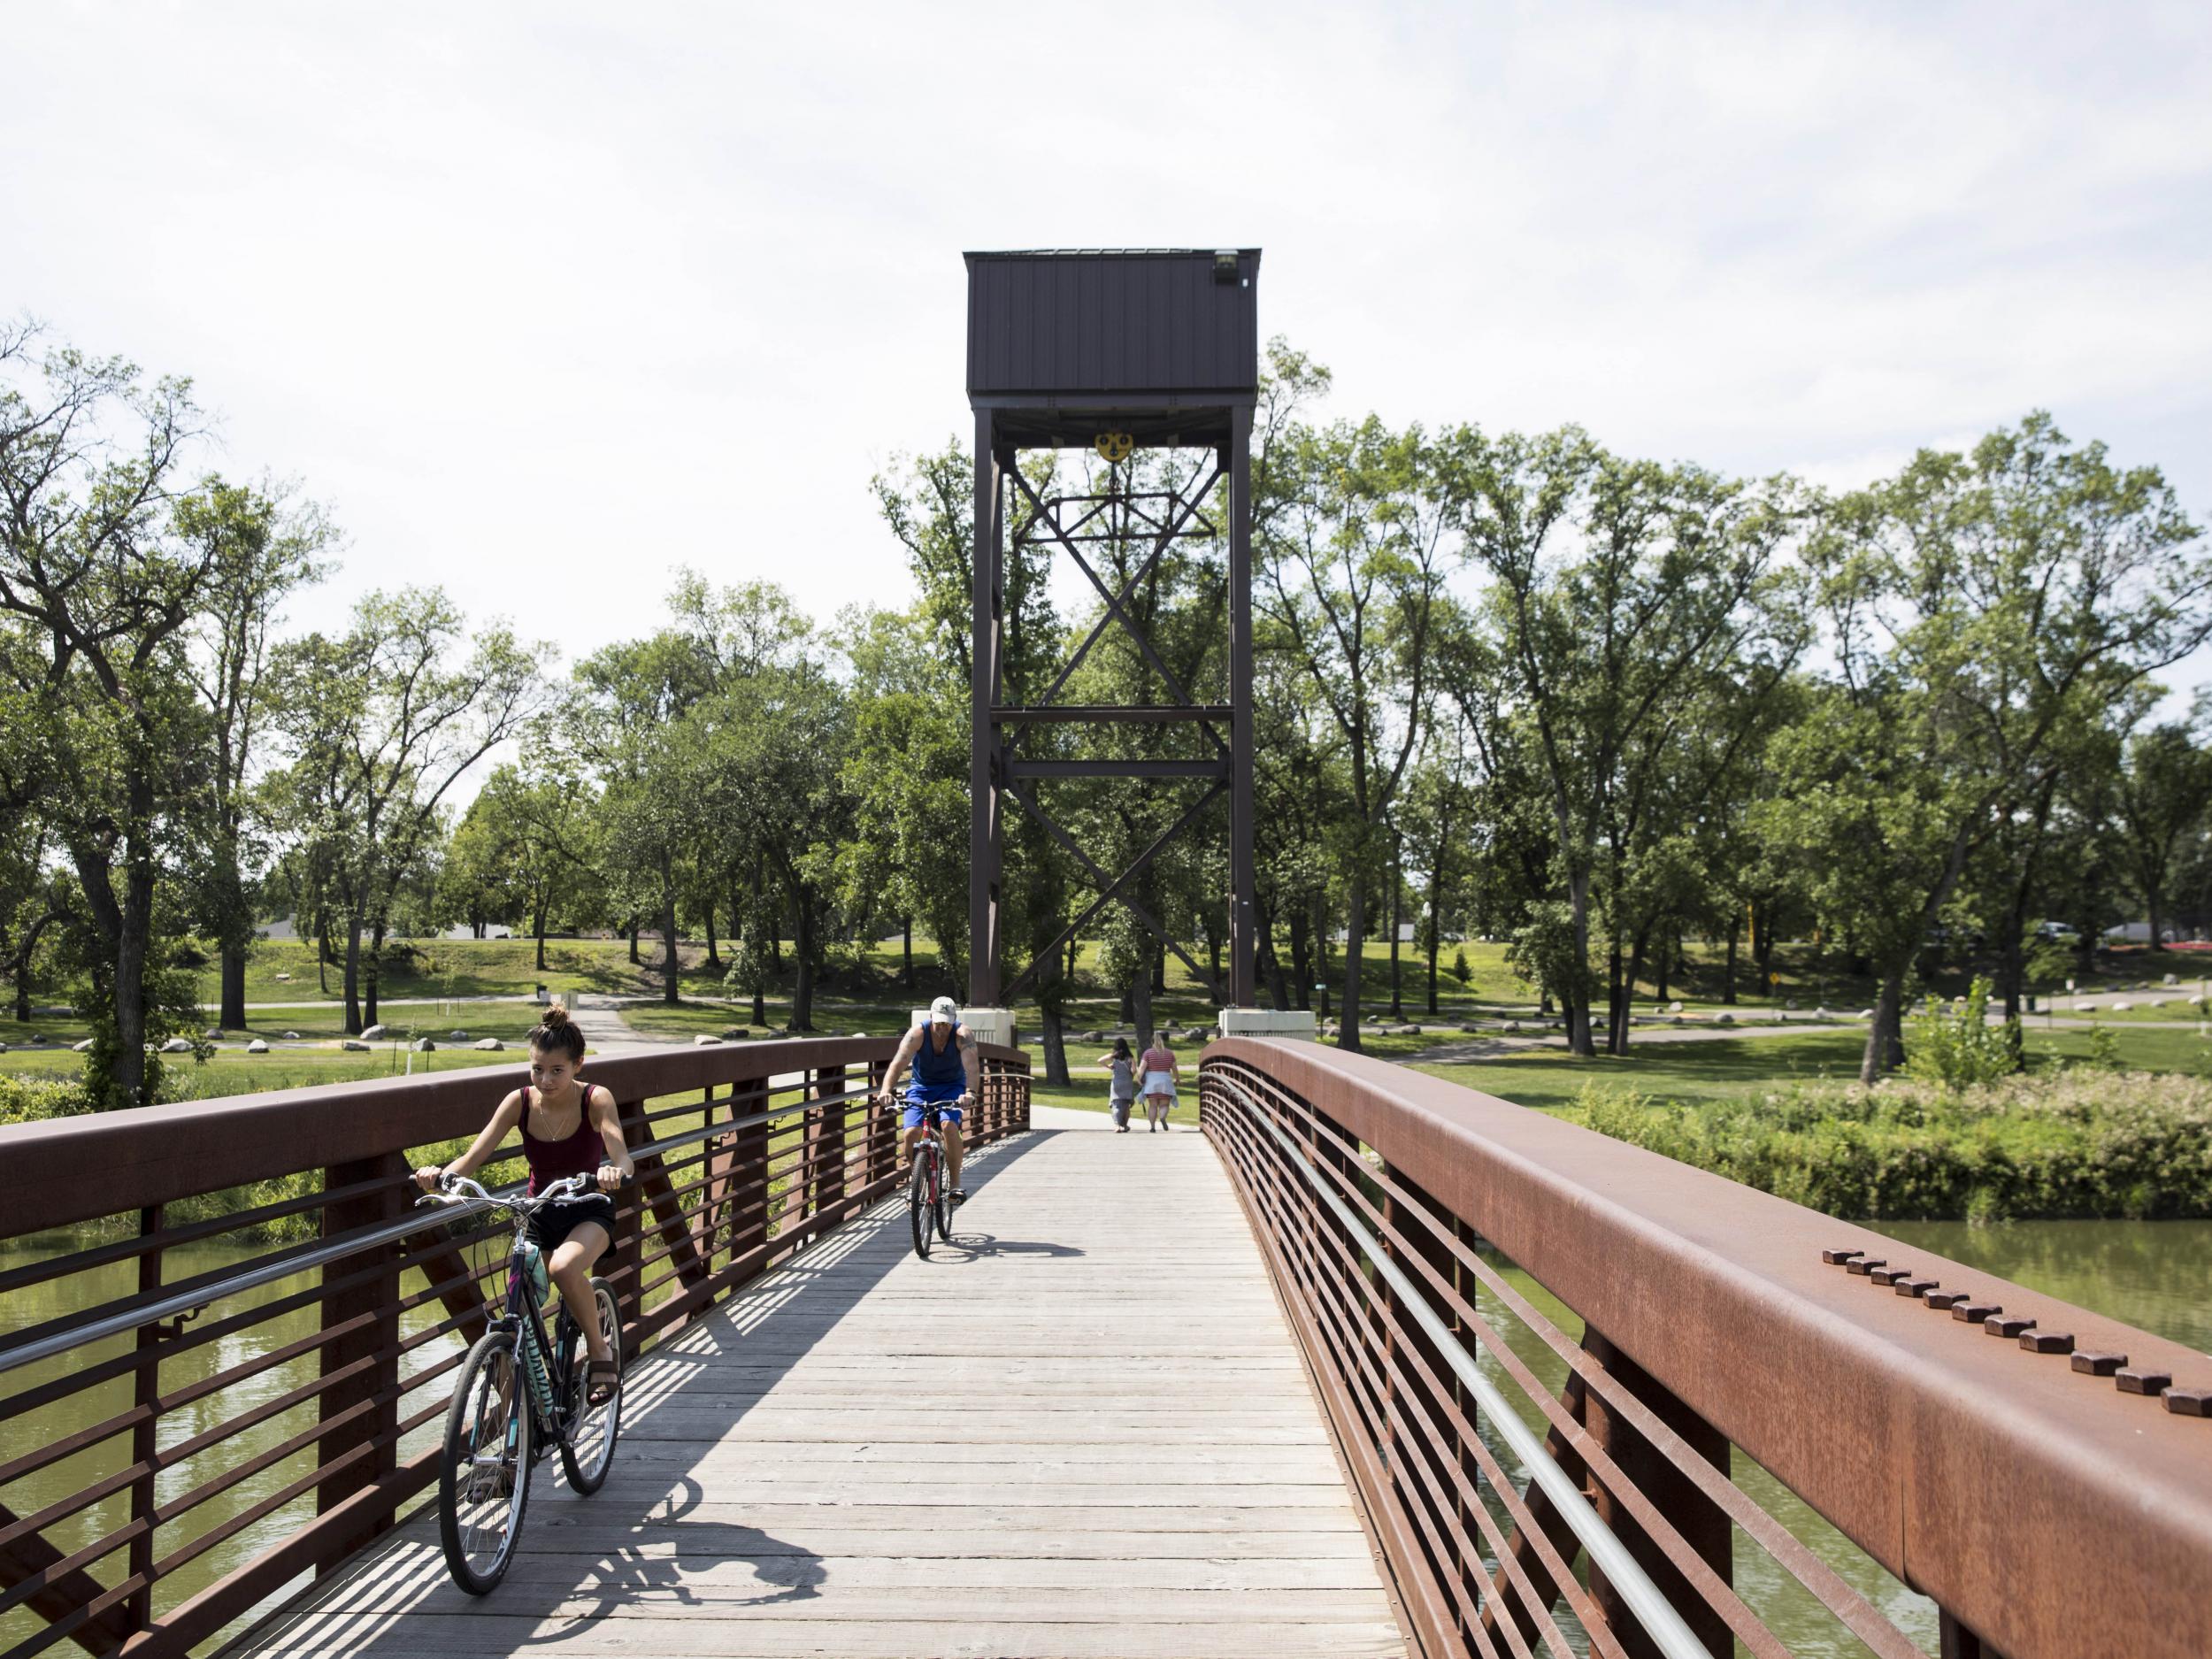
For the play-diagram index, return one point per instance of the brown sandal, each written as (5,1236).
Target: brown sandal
(600,1378)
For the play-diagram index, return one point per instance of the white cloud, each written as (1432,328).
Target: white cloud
(547,300)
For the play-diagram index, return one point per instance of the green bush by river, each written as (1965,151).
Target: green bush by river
(2067,1144)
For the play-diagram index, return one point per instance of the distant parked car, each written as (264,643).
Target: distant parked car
(2057,933)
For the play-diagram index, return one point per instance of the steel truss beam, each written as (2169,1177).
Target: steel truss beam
(1070,523)
(1109,887)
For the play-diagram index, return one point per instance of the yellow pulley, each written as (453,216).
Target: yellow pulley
(1114,447)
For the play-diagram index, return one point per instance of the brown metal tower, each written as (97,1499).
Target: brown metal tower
(1156,347)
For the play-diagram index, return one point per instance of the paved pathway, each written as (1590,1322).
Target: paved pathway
(1083,1432)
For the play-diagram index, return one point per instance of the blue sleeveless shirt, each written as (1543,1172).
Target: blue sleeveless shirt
(938,1067)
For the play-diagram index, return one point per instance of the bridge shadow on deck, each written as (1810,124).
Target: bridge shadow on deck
(652,1536)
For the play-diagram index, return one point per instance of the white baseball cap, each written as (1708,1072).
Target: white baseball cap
(941,1012)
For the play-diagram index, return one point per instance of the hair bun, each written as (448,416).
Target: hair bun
(554,1014)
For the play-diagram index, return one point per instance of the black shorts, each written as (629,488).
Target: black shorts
(555,1222)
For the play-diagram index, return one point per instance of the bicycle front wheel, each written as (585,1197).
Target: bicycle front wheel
(484,1479)
(917,1206)
(588,1451)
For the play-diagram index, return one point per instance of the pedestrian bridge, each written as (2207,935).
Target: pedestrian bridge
(1373,1365)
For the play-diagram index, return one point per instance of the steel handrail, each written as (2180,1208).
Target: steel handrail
(21,1353)
(1661,1622)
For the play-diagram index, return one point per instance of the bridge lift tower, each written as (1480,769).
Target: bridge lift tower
(1111,350)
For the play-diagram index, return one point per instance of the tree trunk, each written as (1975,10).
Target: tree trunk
(671,989)
(1763,947)
(1271,964)
(634,934)
(1436,943)
(537,926)
(322,952)
(1355,933)
(373,970)
(1139,1000)
(1577,1002)
(1075,955)
(1159,971)
(760,1005)
(353,976)
(129,990)
(231,1015)
(803,963)
(1728,969)
(26,948)
(1056,1044)
(1397,927)
(1663,970)
(906,952)
(714,952)
(1213,958)
(1620,998)
(1886,1035)
(2154,899)
(1301,957)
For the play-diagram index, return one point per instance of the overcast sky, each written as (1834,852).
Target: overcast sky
(543,301)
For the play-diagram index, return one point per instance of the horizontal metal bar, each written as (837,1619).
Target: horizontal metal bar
(1117,768)
(1140,714)
(1653,1610)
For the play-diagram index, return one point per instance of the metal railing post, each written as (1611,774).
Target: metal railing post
(748,1170)
(1692,1514)
(145,1439)
(827,1123)
(629,1233)
(367,1395)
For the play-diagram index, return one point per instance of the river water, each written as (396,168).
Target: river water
(2150,1274)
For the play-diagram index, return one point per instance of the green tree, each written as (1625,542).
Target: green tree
(1605,645)
(97,589)
(268,546)
(1349,584)
(2164,794)
(1974,605)
(381,724)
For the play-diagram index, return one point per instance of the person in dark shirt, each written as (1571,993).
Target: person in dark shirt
(942,1053)
(569,1127)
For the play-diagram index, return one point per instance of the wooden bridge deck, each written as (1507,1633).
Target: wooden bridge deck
(1085,1431)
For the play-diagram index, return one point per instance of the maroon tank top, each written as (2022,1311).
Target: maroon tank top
(579,1154)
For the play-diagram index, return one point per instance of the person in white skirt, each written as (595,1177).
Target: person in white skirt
(1160,1074)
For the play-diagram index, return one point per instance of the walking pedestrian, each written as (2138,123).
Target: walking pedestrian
(1121,1087)
(1160,1074)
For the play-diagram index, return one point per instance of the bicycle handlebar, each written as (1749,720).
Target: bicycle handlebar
(471,1191)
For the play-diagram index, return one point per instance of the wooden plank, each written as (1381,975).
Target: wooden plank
(700,1635)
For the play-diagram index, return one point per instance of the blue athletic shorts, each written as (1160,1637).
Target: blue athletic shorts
(939,1096)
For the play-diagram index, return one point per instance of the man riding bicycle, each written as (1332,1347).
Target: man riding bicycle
(941,1050)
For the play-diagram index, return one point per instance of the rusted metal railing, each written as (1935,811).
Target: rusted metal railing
(175,1448)
(1593,1474)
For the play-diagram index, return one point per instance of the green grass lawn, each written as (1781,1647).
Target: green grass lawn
(833,1017)
(1550,1079)
(235,1073)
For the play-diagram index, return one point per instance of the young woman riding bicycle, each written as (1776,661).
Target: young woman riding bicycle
(569,1127)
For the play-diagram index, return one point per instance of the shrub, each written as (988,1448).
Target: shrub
(1963,1050)
(2071,1143)
(29,1100)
